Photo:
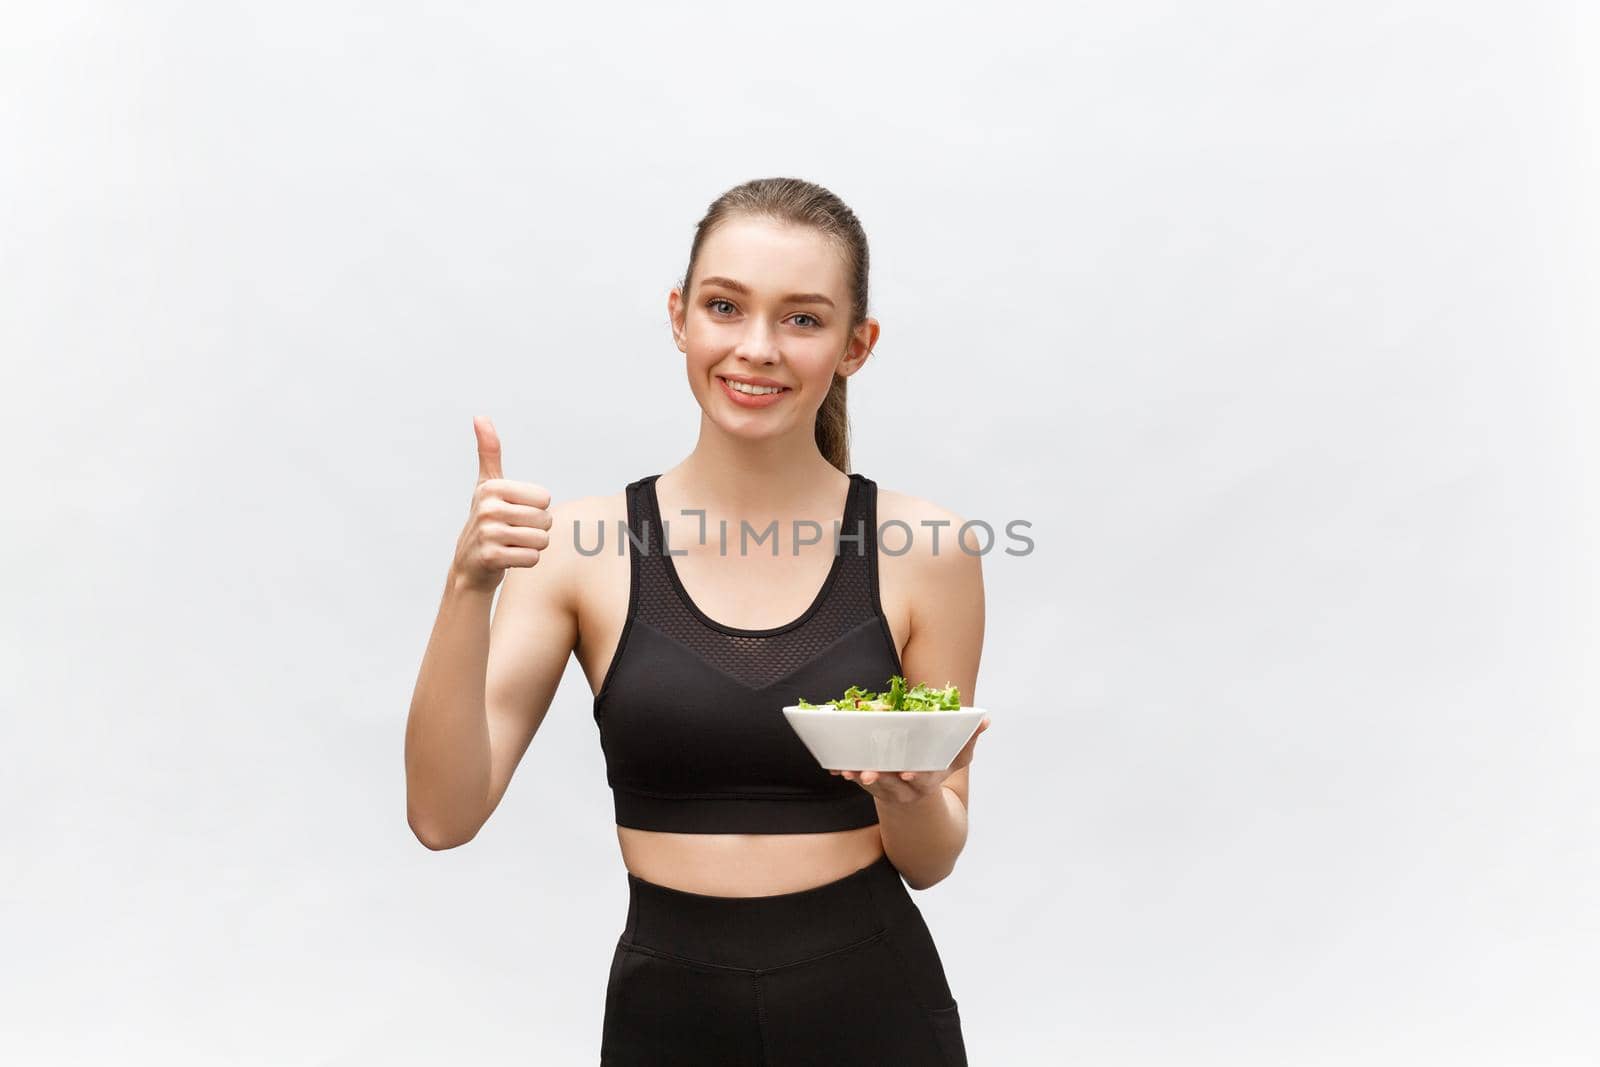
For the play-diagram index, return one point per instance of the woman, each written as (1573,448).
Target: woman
(768,918)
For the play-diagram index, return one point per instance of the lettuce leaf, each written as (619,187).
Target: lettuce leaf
(897,697)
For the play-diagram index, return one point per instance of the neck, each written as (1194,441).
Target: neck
(775,475)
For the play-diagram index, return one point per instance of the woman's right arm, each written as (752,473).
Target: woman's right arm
(485,685)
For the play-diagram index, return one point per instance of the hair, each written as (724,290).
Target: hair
(802,203)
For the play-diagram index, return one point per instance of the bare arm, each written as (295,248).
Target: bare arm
(924,837)
(447,739)
(535,631)
(482,692)
(486,681)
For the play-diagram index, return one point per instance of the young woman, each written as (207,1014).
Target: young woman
(768,918)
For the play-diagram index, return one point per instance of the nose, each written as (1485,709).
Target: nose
(759,345)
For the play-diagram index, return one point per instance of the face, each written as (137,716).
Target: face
(767,302)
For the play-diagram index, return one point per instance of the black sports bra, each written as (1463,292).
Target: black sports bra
(690,711)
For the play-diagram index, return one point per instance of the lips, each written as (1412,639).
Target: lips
(750,400)
(758,382)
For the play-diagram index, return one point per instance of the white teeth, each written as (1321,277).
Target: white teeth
(753,390)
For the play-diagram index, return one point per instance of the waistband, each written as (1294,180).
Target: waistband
(763,933)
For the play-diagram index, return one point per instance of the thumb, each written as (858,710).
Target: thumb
(488,448)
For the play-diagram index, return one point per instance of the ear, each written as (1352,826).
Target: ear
(863,339)
(677,317)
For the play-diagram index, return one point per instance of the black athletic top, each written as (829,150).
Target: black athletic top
(690,711)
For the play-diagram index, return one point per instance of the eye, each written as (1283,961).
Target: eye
(815,323)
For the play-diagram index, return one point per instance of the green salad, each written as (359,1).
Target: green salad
(896,698)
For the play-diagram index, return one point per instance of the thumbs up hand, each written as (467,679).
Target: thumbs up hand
(508,525)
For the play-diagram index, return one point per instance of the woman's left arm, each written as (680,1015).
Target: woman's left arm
(922,815)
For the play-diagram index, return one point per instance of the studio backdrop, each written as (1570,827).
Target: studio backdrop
(1273,322)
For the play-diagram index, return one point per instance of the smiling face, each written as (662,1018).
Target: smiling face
(769,305)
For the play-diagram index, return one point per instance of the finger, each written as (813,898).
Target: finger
(488,448)
(528,494)
(520,537)
(512,513)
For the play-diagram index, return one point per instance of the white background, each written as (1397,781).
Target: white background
(1275,320)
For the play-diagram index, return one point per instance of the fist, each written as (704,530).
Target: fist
(507,526)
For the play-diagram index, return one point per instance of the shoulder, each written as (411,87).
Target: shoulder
(597,506)
(576,526)
(941,576)
(578,521)
(930,528)
(918,539)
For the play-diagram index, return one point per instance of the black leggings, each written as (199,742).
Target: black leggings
(843,973)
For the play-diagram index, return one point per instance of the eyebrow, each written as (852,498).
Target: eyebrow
(792,298)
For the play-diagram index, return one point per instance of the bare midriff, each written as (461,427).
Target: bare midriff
(747,865)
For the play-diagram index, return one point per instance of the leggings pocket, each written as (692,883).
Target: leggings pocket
(921,972)
(665,1012)
(854,1005)
(947,1031)
(918,959)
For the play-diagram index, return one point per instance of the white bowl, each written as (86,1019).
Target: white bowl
(884,740)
